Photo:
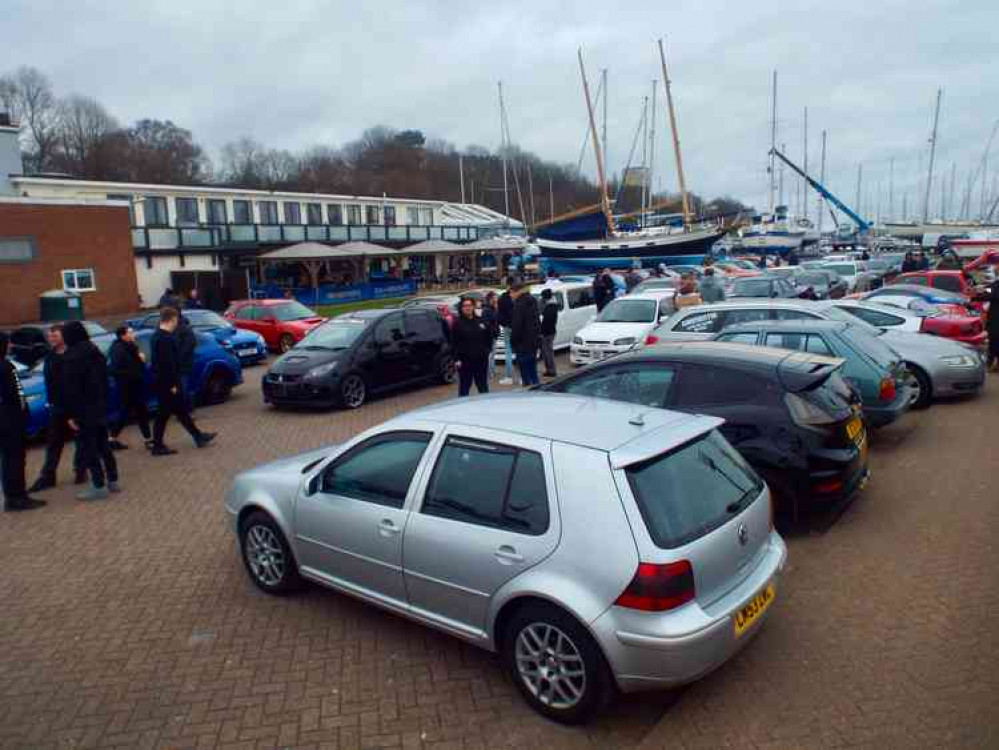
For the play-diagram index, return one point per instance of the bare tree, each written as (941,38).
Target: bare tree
(85,131)
(27,95)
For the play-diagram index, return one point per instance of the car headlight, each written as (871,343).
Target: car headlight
(960,360)
(577,339)
(226,344)
(321,371)
(260,339)
(627,341)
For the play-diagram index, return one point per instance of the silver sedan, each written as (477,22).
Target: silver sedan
(597,546)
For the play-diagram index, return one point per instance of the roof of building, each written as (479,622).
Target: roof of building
(429,247)
(319,251)
(497,243)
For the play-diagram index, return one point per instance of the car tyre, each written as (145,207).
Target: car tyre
(785,503)
(217,388)
(353,391)
(921,381)
(267,557)
(285,342)
(556,664)
(446,372)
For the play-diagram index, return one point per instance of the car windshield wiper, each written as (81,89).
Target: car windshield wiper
(747,492)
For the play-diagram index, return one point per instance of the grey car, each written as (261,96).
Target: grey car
(939,367)
(481,517)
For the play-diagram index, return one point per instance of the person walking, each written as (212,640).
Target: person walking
(504,317)
(57,430)
(603,289)
(549,326)
(127,367)
(471,342)
(85,389)
(712,289)
(168,386)
(187,342)
(525,333)
(489,317)
(169,299)
(13,418)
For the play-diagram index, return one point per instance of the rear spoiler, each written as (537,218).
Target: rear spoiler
(799,372)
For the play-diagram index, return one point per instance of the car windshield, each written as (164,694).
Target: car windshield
(629,311)
(751,288)
(207,319)
(693,489)
(337,334)
(811,279)
(292,311)
(843,269)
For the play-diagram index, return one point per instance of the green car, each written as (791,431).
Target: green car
(874,369)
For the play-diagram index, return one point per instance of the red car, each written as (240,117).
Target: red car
(960,327)
(282,322)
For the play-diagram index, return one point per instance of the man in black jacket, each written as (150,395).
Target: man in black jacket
(187,342)
(57,431)
(549,325)
(127,367)
(504,317)
(85,389)
(167,382)
(13,415)
(525,333)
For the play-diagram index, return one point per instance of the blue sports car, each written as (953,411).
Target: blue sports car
(248,346)
(216,372)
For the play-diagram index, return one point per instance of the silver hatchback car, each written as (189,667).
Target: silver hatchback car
(597,545)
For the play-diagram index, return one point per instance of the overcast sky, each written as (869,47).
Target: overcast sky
(294,73)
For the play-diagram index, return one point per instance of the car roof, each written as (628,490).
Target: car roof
(555,284)
(919,288)
(742,356)
(651,295)
(265,302)
(601,424)
(805,324)
(366,314)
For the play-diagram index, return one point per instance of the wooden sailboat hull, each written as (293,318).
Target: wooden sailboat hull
(635,246)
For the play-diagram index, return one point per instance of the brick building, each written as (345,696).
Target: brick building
(81,246)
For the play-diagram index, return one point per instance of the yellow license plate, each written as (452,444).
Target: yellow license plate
(753,609)
(854,427)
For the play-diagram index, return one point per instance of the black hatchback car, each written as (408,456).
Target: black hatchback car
(790,415)
(348,358)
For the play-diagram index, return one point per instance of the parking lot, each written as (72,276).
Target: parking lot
(130,623)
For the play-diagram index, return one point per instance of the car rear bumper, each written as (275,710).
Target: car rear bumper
(648,651)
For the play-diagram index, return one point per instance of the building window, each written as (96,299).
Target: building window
(79,280)
(314,213)
(371,215)
(412,215)
(241,213)
(268,212)
(155,209)
(292,213)
(390,216)
(187,212)
(17,249)
(216,211)
(427,216)
(335,213)
(353,215)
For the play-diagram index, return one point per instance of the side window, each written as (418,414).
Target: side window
(701,322)
(249,312)
(950,283)
(377,471)
(918,280)
(580,298)
(817,345)
(422,325)
(649,385)
(739,338)
(874,317)
(706,386)
(489,485)
(794,315)
(794,341)
(390,329)
(748,315)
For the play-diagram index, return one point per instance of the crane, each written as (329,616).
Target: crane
(862,226)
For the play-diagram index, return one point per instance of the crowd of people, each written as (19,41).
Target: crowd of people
(77,380)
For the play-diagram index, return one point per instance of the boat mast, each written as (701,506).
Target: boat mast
(676,140)
(822,178)
(645,156)
(773,144)
(933,153)
(603,134)
(860,180)
(604,200)
(652,144)
(891,189)
(506,186)
(780,180)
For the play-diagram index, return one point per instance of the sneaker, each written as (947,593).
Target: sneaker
(204,439)
(80,477)
(114,487)
(161,450)
(41,484)
(117,445)
(506,381)
(15,504)
(93,493)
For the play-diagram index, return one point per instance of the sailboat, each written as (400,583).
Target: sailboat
(589,238)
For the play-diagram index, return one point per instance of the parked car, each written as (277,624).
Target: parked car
(949,281)
(902,294)
(876,372)
(282,322)
(576,309)
(848,270)
(825,283)
(940,367)
(657,284)
(790,415)
(918,317)
(355,355)
(480,517)
(768,286)
(248,346)
(622,325)
(28,344)
(216,372)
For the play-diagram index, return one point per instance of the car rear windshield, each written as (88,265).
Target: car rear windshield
(692,490)
(870,346)
(629,311)
(751,288)
(292,311)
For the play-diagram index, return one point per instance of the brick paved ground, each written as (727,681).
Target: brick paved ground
(131,624)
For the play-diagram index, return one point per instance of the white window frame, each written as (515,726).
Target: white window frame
(76,272)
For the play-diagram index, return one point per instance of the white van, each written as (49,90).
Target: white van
(576,308)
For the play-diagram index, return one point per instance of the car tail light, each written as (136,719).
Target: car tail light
(834,485)
(886,390)
(657,588)
(651,339)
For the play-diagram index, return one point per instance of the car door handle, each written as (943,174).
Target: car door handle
(508,555)
(386,528)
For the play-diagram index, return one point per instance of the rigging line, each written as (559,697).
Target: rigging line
(634,144)
(516,174)
(586,135)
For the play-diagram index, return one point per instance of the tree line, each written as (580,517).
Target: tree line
(77,136)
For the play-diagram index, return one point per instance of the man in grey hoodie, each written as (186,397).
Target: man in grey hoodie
(712,289)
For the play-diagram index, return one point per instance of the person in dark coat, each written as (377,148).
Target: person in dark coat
(127,367)
(471,343)
(504,317)
(603,289)
(187,342)
(85,389)
(193,301)
(57,431)
(549,326)
(168,386)
(992,326)
(525,334)
(13,419)
(169,299)
(909,263)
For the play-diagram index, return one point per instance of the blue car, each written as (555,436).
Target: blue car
(248,346)
(216,372)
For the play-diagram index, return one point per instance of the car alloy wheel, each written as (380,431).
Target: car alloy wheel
(285,343)
(448,373)
(353,391)
(550,665)
(919,384)
(267,556)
